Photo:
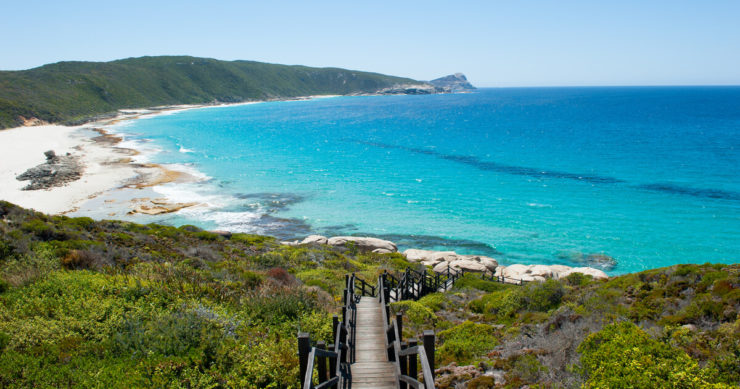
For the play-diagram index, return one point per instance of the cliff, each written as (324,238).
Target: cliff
(453,83)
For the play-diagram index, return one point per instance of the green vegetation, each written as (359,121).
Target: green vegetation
(671,327)
(118,304)
(109,303)
(74,91)
(622,356)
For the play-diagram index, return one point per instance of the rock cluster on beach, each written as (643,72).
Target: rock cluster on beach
(58,170)
(440,261)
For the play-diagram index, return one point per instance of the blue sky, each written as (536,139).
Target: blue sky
(495,43)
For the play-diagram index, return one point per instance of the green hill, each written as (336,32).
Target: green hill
(72,91)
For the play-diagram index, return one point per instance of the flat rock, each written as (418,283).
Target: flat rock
(315,239)
(595,273)
(363,243)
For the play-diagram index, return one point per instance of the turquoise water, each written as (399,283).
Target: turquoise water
(648,176)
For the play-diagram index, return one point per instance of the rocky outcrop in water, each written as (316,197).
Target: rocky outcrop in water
(58,170)
(453,83)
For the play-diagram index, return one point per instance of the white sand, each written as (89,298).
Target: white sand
(23,147)
(107,167)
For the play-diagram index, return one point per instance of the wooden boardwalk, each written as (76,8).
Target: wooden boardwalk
(371,368)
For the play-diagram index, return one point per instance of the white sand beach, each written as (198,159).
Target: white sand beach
(107,165)
(22,148)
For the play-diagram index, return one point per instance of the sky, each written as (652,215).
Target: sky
(494,43)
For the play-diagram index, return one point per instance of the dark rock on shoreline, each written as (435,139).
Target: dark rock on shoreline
(56,171)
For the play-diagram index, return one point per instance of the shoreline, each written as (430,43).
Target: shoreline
(107,165)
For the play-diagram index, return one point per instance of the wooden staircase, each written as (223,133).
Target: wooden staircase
(371,368)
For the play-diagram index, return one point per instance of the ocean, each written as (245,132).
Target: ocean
(646,176)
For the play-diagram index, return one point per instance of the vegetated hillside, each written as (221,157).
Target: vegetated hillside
(119,304)
(69,91)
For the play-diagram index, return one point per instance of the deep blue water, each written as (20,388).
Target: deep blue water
(649,176)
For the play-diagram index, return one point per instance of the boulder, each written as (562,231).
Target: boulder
(558,269)
(441,267)
(293,243)
(540,271)
(470,265)
(315,239)
(595,273)
(363,243)
(382,251)
(416,255)
(515,271)
(489,263)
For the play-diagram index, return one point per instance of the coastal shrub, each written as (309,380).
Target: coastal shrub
(330,280)
(525,368)
(416,312)
(269,361)
(180,332)
(41,230)
(281,276)
(83,259)
(6,249)
(79,223)
(252,240)
(542,296)
(503,303)
(623,355)
(473,281)
(190,228)
(207,235)
(466,342)
(577,279)
(434,301)
(272,305)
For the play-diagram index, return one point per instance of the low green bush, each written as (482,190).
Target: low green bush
(465,343)
(623,356)
(415,312)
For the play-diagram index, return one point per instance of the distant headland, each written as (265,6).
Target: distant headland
(77,92)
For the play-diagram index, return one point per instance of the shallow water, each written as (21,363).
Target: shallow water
(648,176)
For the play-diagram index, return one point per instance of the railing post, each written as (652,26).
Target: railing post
(404,367)
(304,348)
(322,363)
(412,361)
(334,324)
(343,343)
(429,349)
(399,325)
(332,363)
